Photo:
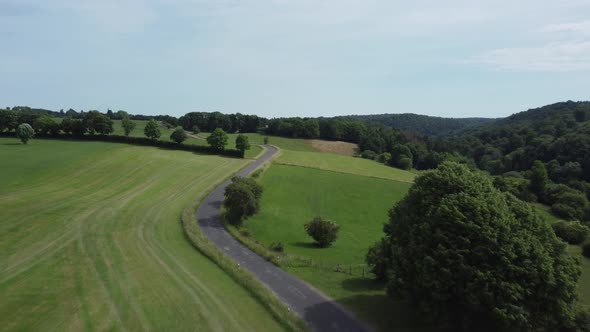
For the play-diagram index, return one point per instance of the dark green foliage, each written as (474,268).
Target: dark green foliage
(46,126)
(572,232)
(384,158)
(195,129)
(128,125)
(218,139)
(294,127)
(423,124)
(152,130)
(379,258)
(571,205)
(8,120)
(232,123)
(586,249)
(242,198)
(178,135)
(475,258)
(277,247)
(323,231)
(242,144)
(265,139)
(24,132)
(95,122)
(368,154)
(401,157)
(539,178)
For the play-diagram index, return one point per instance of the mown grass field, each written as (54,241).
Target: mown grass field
(344,164)
(359,204)
(91,239)
(294,144)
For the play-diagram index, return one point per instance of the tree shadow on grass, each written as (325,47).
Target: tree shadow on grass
(302,244)
(357,284)
(388,314)
(11,144)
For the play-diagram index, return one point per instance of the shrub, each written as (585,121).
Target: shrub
(384,158)
(323,231)
(368,154)
(24,132)
(572,232)
(277,247)
(256,174)
(178,135)
(404,163)
(245,232)
(265,139)
(586,249)
(196,130)
(128,125)
(378,258)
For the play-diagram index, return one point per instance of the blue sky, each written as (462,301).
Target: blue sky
(295,58)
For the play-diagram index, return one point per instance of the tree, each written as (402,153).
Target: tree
(539,178)
(242,198)
(8,120)
(24,131)
(242,144)
(152,130)
(476,258)
(127,124)
(323,231)
(218,139)
(265,140)
(178,135)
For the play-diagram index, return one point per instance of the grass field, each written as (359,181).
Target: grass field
(294,144)
(91,239)
(344,164)
(293,195)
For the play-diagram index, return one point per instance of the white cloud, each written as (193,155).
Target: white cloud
(552,57)
(582,27)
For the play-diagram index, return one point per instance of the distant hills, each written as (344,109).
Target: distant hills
(422,124)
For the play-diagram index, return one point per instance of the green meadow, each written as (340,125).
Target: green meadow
(344,164)
(357,194)
(91,239)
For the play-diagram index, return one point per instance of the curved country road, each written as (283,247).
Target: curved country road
(320,312)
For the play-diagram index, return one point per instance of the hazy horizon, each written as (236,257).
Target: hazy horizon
(277,58)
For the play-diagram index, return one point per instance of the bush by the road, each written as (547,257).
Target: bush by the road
(24,132)
(242,197)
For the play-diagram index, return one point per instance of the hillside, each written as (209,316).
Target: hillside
(422,124)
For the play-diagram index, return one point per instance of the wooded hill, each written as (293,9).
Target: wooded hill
(422,124)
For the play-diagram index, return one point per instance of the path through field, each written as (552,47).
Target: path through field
(90,239)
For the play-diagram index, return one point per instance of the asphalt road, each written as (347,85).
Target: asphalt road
(319,311)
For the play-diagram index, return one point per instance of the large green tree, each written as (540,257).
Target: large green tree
(539,178)
(242,198)
(476,258)
(128,124)
(218,139)
(242,144)
(152,130)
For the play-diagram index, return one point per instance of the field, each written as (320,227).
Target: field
(359,204)
(91,239)
(343,164)
(357,194)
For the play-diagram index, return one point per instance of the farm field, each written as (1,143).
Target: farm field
(344,164)
(359,204)
(91,239)
(293,195)
(294,144)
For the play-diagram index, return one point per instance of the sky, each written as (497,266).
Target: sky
(279,58)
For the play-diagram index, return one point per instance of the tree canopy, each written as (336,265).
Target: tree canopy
(152,130)
(475,257)
(218,139)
